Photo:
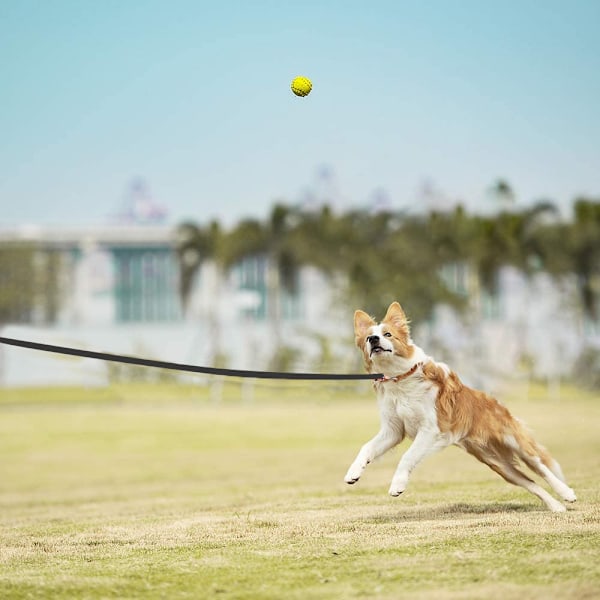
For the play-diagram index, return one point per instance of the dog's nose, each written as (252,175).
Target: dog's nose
(373,339)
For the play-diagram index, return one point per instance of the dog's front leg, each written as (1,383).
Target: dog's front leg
(387,437)
(424,444)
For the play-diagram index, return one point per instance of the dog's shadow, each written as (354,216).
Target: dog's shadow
(461,509)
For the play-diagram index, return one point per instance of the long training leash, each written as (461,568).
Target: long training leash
(160,364)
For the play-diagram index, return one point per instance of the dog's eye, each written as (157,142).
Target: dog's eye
(387,334)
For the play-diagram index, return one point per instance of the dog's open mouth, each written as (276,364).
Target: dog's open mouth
(378,350)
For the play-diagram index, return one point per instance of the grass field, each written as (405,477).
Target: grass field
(140,491)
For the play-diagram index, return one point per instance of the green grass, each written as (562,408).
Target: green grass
(140,491)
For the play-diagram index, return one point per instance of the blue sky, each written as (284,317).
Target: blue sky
(194,98)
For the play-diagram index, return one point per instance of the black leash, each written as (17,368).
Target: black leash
(145,362)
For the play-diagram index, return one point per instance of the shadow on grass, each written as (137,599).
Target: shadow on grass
(452,510)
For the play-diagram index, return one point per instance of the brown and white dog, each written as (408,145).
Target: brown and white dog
(427,402)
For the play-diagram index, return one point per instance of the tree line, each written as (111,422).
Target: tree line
(374,257)
(387,255)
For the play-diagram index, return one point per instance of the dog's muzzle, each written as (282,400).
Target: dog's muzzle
(375,347)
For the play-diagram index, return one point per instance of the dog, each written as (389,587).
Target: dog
(426,401)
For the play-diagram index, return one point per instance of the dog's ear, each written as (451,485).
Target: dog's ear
(396,318)
(362,322)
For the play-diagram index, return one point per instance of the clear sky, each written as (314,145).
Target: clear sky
(194,97)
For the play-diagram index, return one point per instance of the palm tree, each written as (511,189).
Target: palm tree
(194,245)
(198,246)
(585,248)
(277,242)
(503,194)
(386,256)
(573,248)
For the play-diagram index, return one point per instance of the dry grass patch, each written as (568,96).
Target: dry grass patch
(128,493)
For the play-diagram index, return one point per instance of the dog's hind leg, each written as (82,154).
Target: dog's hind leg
(553,466)
(508,471)
(538,459)
(549,469)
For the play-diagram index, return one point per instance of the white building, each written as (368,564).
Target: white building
(533,327)
(118,291)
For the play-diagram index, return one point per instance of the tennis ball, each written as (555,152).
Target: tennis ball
(301,86)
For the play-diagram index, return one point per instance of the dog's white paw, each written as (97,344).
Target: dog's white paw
(351,478)
(557,507)
(398,486)
(353,474)
(565,492)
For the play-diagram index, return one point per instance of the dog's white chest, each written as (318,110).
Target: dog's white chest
(412,405)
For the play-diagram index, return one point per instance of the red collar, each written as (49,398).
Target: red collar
(397,378)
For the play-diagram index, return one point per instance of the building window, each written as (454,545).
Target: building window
(456,278)
(491,307)
(146,285)
(250,278)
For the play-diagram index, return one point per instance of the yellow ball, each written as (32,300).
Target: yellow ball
(301,86)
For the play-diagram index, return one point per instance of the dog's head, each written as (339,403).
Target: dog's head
(386,346)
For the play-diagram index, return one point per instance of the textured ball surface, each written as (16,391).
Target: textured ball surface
(301,86)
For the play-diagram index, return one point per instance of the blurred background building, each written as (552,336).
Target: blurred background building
(117,288)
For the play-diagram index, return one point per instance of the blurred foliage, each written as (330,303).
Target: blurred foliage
(127,373)
(284,358)
(16,282)
(30,287)
(586,370)
(572,248)
(389,255)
